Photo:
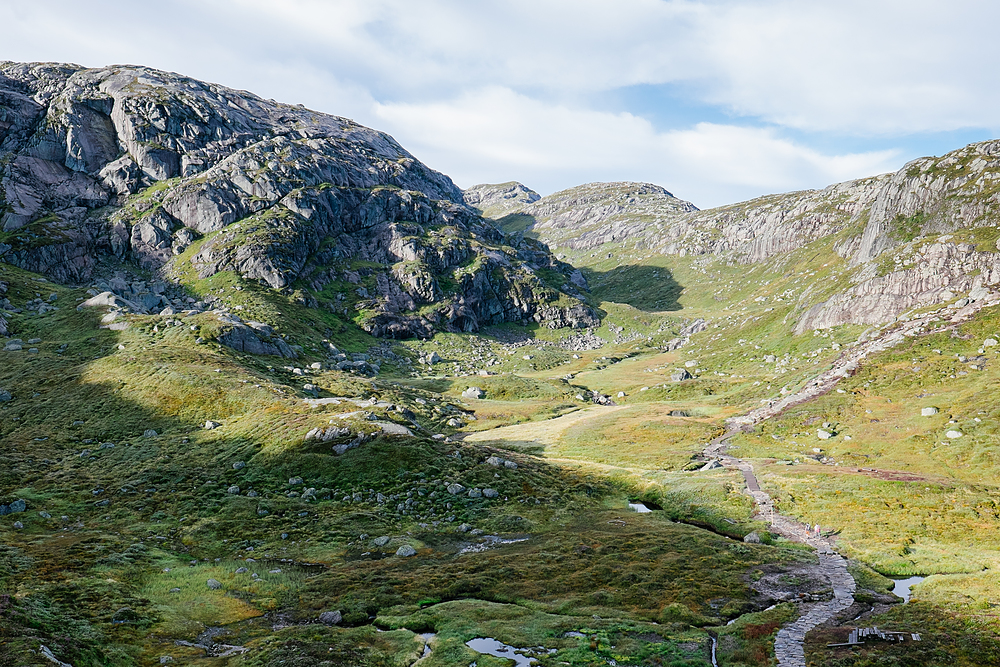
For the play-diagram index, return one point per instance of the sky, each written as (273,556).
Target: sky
(717,101)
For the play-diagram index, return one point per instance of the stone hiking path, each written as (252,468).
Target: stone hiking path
(789,645)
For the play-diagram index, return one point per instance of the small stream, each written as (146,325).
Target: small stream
(426,636)
(715,644)
(903,586)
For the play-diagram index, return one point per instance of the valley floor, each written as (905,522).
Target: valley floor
(187,503)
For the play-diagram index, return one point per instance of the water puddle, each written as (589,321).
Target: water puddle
(903,586)
(639,507)
(522,657)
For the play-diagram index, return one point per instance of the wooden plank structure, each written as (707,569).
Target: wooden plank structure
(858,635)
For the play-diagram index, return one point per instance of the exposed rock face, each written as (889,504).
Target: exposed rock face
(893,229)
(906,257)
(165,171)
(933,195)
(496,201)
(591,215)
(938,270)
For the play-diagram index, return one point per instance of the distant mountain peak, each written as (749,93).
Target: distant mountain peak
(498,200)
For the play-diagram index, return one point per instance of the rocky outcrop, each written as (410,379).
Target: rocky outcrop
(938,272)
(496,201)
(590,215)
(933,196)
(176,174)
(253,338)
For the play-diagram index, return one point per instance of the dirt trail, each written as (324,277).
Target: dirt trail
(789,645)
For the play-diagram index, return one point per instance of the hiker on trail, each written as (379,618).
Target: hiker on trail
(816,529)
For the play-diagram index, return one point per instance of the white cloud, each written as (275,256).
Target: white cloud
(495,134)
(854,66)
(495,90)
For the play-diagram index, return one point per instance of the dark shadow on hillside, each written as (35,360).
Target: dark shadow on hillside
(517,223)
(73,448)
(648,288)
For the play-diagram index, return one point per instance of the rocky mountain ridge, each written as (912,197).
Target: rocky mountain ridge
(921,236)
(187,179)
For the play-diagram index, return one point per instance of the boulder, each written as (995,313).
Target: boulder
(490,493)
(928,412)
(389,428)
(823,434)
(680,375)
(474,393)
(455,489)
(406,551)
(210,425)
(382,541)
(214,584)
(255,340)
(953,434)
(330,618)
(15,507)
(110,299)
(5,396)
(752,538)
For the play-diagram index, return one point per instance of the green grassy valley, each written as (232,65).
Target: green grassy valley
(273,392)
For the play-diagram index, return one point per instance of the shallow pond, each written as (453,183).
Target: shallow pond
(522,657)
(903,586)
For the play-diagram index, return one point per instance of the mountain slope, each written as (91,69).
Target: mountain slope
(188,180)
(913,239)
